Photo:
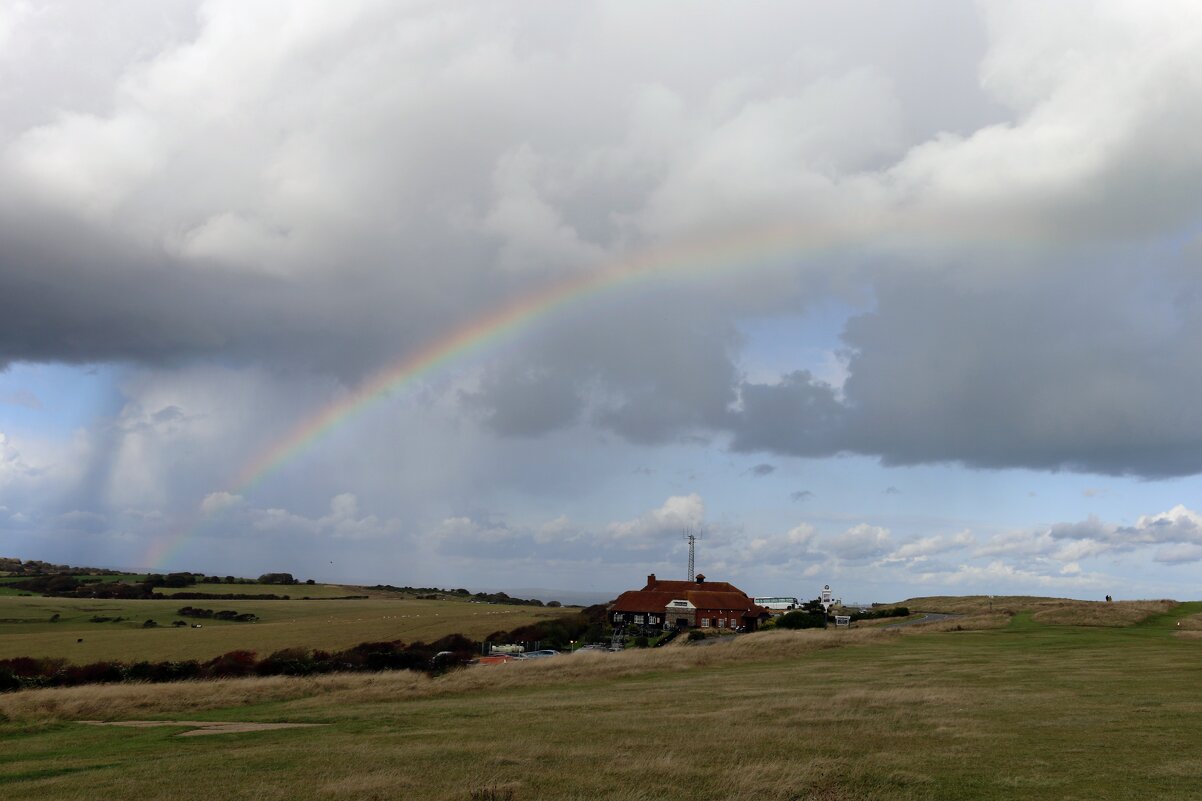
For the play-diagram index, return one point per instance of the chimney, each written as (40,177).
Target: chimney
(651,580)
(700,578)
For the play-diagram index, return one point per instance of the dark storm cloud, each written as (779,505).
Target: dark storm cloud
(327,188)
(630,367)
(1089,367)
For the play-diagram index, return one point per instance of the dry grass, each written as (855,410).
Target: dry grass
(120,701)
(1042,713)
(978,622)
(1051,611)
(978,604)
(1190,623)
(324,624)
(1100,613)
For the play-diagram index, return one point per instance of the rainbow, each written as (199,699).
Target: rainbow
(742,249)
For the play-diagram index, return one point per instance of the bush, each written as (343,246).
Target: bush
(876,614)
(235,663)
(696,634)
(288,662)
(277,578)
(8,681)
(641,641)
(801,620)
(150,624)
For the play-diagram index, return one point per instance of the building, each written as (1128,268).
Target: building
(687,604)
(778,603)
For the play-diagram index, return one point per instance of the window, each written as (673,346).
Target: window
(721,622)
(705,622)
(638,618)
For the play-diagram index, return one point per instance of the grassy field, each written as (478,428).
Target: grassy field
(1014,709)
(291,590)
(7,581)
(26,630)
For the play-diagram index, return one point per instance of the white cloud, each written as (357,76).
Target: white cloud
(802,536)
(861,542)
(929,546)
(998,574)
(216,502)
(342,523)
(1181,553)
(677,514)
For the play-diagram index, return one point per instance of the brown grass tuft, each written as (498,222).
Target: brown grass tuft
(1051,611)
(1098,613)
(1190,623)
(493,792)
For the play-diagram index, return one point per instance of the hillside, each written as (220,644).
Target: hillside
(1004,708)
(1066,611)
(26,628)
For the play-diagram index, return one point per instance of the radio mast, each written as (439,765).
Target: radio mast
(692,538)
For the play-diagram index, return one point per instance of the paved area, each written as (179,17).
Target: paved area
(929,617)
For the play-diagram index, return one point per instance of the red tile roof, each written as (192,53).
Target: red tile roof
(704,595)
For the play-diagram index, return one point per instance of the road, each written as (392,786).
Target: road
(929,617)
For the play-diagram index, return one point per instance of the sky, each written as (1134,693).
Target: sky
(901,298)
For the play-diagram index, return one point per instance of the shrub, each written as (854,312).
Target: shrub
(801,620)
(95,673)
(8,680)
(235,663)
(696,634)
(288,662)
(641,641)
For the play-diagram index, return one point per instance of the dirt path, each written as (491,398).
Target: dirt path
(200,727)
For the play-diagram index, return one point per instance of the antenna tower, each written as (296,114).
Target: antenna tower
(692,538)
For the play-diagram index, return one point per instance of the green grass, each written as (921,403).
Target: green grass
(326,624)
(1028,711)
(295,591)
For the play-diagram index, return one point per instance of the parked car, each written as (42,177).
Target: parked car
(541,654)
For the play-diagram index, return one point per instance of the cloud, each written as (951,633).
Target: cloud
(999,574)
(800,495)
(454,193)
(1178,530)
(343,522)
(761,470)
(22,397)
(82,520)
(924,547)
(801,536)
(1184,553)
(216,502)
(860,543)
(678,514)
